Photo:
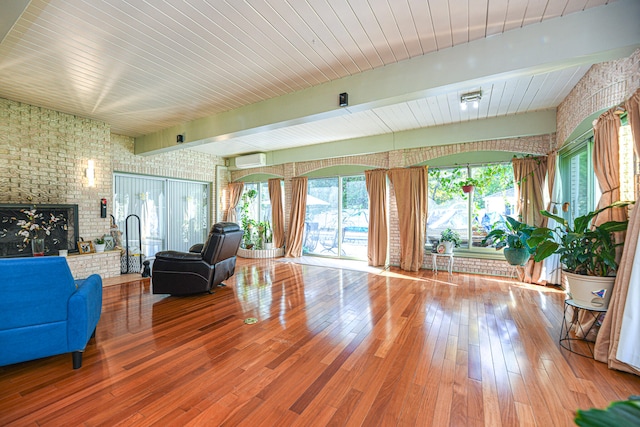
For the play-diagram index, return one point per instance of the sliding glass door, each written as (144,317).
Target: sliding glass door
(336,222)
(156,214)
(188,214)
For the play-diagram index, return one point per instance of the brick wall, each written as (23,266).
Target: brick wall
(106,264)
(44,155)
(536,145)
(604,86)
(181,164)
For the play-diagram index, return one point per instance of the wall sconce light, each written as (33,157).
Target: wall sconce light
(91,173)
(471,97)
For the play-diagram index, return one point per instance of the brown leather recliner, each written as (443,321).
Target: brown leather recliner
(182,273)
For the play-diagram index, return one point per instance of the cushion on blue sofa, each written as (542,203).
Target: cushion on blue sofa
(44,311)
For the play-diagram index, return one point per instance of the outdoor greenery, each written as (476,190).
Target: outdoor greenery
(583,249)
(354,194)
(445,183)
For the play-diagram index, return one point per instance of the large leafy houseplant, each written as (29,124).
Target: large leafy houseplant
(619,413)
(512,235)
(583,249)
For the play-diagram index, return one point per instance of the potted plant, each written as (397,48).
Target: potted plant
(246,222)
(261,236)
(468,185)
(99,244)
(512,235)
(268,235)
(450,239)
(588,254)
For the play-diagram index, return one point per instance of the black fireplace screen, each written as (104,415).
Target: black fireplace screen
(17,228)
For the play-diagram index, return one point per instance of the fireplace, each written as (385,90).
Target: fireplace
(63,232)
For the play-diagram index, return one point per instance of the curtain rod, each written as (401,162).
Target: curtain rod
(464,165)
(578,139)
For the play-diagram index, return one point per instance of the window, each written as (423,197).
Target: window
(448,207)
(174,214)
(256,203)
(471,215)
(260,207)
(579,186)
(337,217)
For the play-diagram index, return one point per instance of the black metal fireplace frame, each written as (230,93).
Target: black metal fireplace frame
(66,235)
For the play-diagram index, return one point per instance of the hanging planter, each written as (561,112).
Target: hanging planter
(468,185)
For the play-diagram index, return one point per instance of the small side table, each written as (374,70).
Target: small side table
(568,325)
(434,261)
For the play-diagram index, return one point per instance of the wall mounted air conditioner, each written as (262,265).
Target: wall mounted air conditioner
(251,161)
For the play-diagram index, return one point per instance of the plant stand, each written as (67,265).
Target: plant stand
(261,253)
(575,324)
(434,262)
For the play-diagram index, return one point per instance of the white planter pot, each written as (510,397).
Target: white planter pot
(589,291)
(448,247)
(268,245)
(100,247)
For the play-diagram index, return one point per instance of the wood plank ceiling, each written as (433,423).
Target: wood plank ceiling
(145,66)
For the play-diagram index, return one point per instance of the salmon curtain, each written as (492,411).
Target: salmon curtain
(616,343)
(277,212)
(296,218)
(633,114)
(376,182)
(529,174)
(235,192)
(551,267)
(410,189)
(606,166)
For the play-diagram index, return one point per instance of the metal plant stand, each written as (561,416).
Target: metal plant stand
(131,263)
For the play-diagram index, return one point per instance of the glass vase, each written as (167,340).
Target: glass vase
(37,246)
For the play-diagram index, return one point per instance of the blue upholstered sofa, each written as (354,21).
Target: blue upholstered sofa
(44,311)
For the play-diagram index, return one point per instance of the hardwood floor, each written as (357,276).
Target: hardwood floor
(331,347)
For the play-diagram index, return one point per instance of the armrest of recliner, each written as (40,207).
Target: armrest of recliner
(84,309)
(197,248)
(179,256)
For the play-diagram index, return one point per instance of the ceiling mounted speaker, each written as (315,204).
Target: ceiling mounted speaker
(343,99)
(251,161)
